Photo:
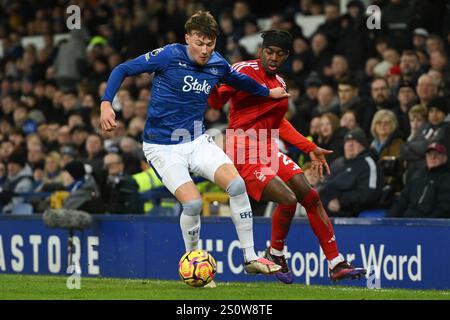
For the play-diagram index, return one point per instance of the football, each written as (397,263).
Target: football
(197,268)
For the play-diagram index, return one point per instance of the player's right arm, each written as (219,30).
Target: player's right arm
(150,62)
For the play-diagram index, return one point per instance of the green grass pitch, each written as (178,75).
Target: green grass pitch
(25,287)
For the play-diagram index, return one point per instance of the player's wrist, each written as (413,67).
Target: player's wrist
(105,103)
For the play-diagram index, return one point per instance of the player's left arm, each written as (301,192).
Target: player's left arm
(289,134)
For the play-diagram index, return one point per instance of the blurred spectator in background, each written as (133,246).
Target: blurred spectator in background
(336,70)
(413,151)
(130,151)
(70,61)
(380,95)
(147,180)
(321,53)
(303,113)
(420,37)
(241,13)
(406,96)
(386,139)
(356,181)
(386,145)
(68,154)
(328,136)
(348,121)
(7,147)
(349,100)
(427,196)
(79,134)
(410,66)
(398,22)
(439,62)
(327,101)
(19,180)
(95,153)
(427,88)
(119,191)
(354,42)
(437,129)
(331,27)
(52,179)
(83,191)
(3,178)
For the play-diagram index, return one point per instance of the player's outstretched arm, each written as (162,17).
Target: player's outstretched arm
(289,134)
(107,116)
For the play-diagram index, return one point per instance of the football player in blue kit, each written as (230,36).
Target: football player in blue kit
(174,142)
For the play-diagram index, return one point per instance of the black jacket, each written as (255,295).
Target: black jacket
(121,195)
(356,183)
(427,196)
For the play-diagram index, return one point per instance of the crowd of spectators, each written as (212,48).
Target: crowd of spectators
(377,97)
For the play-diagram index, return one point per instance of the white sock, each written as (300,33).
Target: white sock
(190,227)
(333,263)
(276,252)
(242,216)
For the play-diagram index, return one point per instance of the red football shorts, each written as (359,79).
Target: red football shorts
(257,170)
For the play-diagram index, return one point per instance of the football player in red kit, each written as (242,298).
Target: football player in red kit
(273,176)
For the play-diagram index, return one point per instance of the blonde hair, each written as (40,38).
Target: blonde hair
(55,156)
(380,114)
(418,111)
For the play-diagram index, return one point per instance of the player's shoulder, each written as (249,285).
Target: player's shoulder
(248,65)
(166,52)
(217,59)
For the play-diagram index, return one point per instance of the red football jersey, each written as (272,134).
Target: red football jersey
(254,112)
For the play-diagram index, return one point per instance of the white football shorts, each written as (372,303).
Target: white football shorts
(173,163)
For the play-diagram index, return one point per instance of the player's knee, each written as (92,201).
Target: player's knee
(289,199)
(288,210)
(193,207)
(236,187)
(311,199)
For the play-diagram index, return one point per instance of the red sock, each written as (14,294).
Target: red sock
(281,221)
(320,223)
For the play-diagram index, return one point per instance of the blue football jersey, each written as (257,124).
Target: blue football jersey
(180,90)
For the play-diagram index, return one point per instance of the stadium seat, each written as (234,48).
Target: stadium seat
(373,213)
(22,208)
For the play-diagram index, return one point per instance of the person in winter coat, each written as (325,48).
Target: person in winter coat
(427,196)
(386,144)
(119,190)
(356,180)
(84,193)
(19,180)
(386,140)
(412,153)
